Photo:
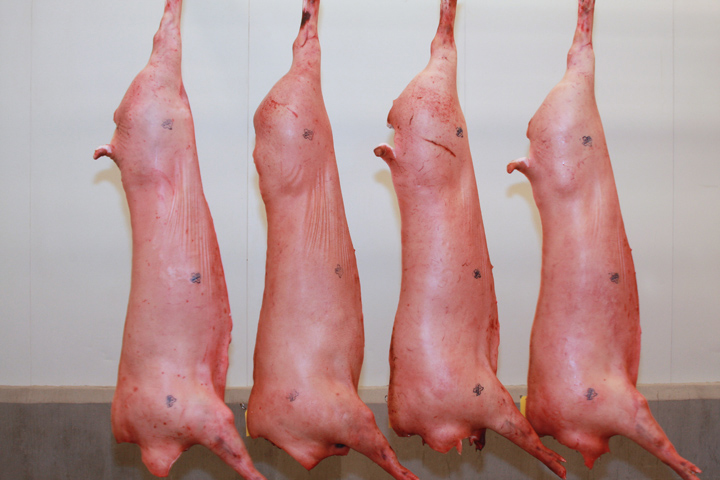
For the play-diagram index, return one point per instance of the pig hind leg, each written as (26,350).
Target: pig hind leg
(368,440)
(228,445)
(646,432)
(510,423)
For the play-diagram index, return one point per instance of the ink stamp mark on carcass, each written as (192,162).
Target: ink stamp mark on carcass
(615,277)
(308,134)
(292,396)
(339,270)
(587,141)
(459,132)
(168,124)
(339,445)
(478,390)
(591,394)
(195,278)
(477,274)
(170,401)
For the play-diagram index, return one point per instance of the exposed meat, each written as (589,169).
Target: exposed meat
(585,344)
(310,338)
(171,379)
(443,358)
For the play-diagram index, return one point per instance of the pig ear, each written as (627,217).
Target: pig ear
(521,164)
(105,150)
(385,152)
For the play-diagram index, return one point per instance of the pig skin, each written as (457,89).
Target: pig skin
(585,343)
(310,338)
(443,358)
(171,378)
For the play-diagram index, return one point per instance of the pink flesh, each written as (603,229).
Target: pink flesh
(310,339)
(443,358)
(174,359)
(585,344)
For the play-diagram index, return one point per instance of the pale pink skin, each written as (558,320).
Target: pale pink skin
(443,359)
(585,344)
(171,378)
(310,340)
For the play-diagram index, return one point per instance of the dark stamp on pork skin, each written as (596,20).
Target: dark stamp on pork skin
(478,390)
(459,132)
(308,134)
(477,274)
(615,277)
(587,141)
(195,278)
(591,394)
(168,124)
(170,401)
(292,396)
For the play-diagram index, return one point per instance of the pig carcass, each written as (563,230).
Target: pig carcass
(585,343)
(443,358)
(171,378)
(310,338)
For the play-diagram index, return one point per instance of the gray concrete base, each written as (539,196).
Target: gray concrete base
(58,441)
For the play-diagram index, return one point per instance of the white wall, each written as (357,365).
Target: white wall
(64,225)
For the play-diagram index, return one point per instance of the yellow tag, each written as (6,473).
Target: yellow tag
(247,433)
(523,404)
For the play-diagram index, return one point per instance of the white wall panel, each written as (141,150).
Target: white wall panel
(64,224)
(513,60)
(368,59)
(84,55)
(633,48)
(215,72)
(15,155)
(696,295)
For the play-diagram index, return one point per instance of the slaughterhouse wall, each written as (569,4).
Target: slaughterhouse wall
(64,224)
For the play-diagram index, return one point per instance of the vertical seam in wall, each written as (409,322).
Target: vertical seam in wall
(674,204)
(464,28)
(30,193)
(248,353)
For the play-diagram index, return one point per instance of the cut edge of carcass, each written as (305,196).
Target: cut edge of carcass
(103,151)
(521,165)
(385,152)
